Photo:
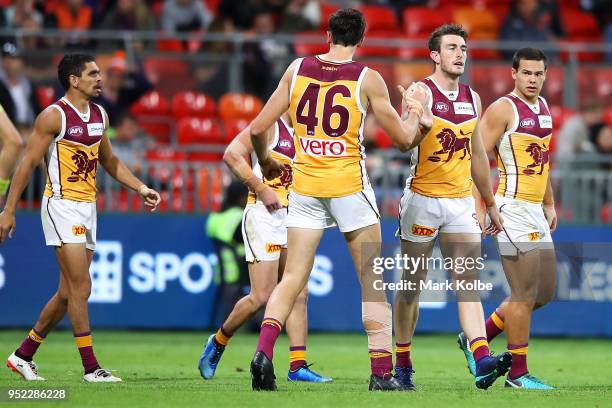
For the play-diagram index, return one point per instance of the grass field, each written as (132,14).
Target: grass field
(159,370)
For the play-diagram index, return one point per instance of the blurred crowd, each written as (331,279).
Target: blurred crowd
(22,69)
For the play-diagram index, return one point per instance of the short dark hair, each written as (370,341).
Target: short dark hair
(435,40)
(72,64)
(530,54)
(347,27)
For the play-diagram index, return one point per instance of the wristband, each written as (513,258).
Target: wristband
(4,185)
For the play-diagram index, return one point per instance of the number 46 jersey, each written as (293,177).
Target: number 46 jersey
(328,121)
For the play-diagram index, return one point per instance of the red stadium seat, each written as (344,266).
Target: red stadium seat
(310,43)
(580,27)
(152,112)
(233,127)
(480,24)
(326,11)
(608,116)
(193,104)
(419,22)
(45,96)
(235,105)
(163,73)
(199,130)
(379,19)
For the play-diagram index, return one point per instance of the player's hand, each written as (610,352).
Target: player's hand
(150,197)
(551,216)
(481,217)
(417,92)
(271,168)
(497,223)
(7,225)
(270,199)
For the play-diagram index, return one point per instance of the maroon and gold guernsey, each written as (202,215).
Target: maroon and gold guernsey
(442,161)
(523,151)
(72,158)
(283,150)
(328,118)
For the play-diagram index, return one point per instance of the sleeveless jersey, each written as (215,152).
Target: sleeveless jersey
(72,158)
(441,163)
(523,151)
(328,119)
(283,150)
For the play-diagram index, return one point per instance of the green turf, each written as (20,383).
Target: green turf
(159,370)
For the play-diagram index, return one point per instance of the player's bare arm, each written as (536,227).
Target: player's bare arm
(403,131)
(237,157)
(549,206)
(12,145)
(272,110)
(481,177)
(47,125)
(120,172)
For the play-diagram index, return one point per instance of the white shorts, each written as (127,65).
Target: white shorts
(264,233)
(422,217)
(68,222)
(349,213)
(525,227)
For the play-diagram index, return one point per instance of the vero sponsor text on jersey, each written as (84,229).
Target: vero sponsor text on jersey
(323,147)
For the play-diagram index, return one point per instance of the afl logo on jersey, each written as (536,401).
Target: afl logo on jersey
(527,123)
(285,144)
(441,107)
(75,131)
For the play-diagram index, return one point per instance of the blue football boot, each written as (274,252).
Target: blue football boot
(404,376)
(464,345)
(528,382)
(210,358)
(304,373)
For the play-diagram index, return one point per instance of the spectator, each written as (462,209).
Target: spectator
(185,15)
(74,16)
(574,135)
(239,14)
(601,136)
(130,15)
(35,54)
(17,94)
(123,86)
(526,22)
(22,9)
(129,142)
(266,60)
(213,77)
(300,15)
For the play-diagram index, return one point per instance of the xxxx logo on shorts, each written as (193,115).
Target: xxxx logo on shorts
(78,230)
(534,236)
(270,248)
(423,231)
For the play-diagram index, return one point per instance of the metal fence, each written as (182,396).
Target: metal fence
(582,186)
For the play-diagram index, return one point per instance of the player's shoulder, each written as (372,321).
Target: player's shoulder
(501,109)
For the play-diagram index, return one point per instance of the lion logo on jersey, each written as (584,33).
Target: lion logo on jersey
(452,144)
(540,157)
(286,177)
(84,166)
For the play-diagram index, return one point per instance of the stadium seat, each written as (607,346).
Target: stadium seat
(418,24)
(163,73)
(169,45)
(310,43)
(608,116)
(379,19)
(554,85)
(480,24)
(45,96)
(235,105)
(326,11)
(580,26)
(152,112)
(194,104)
(233,127)
(198,130)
